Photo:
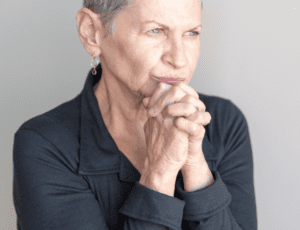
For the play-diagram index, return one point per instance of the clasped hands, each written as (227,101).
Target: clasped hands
(180,103)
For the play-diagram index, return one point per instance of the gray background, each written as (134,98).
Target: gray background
(250,54)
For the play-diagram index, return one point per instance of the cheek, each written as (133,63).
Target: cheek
(193,53)
(148,57)
(154,56)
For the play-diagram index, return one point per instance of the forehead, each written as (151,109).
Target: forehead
(168,12)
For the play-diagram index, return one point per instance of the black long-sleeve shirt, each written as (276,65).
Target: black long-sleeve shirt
(70,174)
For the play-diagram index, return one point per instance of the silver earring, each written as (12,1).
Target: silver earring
(94,72)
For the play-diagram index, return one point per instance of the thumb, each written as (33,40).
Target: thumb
(146,102)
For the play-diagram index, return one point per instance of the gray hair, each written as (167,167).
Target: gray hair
(107,10)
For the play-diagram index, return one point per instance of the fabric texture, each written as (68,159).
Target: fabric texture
(70,174)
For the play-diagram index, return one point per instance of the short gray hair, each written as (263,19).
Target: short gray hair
(107,10)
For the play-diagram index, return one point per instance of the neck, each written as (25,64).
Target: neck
(123,113)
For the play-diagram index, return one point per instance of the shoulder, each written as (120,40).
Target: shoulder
(227,124)
(58,127)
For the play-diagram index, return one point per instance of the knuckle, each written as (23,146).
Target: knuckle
(192,126)
(176,88)
(161,85)
(190,98)
(205,116)
(190,106)
(199,116)
(169,109)
(177,92)
(195,129)
(184,123)
(180,84)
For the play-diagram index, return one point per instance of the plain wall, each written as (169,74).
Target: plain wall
(250,54)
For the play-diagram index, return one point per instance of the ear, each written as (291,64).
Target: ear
(90,30)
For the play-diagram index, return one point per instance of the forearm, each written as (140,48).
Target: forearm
(196,178)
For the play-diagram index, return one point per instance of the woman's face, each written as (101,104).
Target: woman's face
(139,50)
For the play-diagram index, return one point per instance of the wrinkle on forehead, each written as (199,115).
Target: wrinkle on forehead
(173,13)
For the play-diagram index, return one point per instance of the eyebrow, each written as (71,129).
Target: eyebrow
(153,21)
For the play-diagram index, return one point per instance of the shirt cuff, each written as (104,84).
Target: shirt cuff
(205,202)
(146,204)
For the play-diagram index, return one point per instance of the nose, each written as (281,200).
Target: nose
(176,55)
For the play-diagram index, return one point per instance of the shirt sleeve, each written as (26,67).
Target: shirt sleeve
(229,203)
(48,194)
(152,207)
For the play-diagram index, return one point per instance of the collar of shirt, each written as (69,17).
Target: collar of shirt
(98,152)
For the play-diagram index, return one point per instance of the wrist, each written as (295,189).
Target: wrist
(161,183)
(197,178)
(194,164)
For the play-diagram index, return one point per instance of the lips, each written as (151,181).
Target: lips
(169,80)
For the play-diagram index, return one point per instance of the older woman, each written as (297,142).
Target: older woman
(127,153)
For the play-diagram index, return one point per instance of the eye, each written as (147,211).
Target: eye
(157,29)
(196,33)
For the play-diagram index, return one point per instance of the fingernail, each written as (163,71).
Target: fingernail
(146,101)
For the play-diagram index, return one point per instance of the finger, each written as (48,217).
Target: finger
(195,101)
(193,129)
(160,90)
(179,110)
(200,118)
(172,96)
(187,88)
(163,87)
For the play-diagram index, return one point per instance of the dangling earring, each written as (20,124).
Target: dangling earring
(94,72)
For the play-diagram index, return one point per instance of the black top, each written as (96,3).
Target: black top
(70,174)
